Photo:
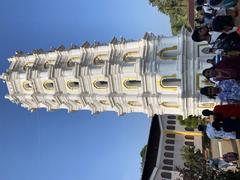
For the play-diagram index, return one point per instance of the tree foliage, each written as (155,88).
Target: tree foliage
(191,121)
(196,167)
(143,155)
(177,11)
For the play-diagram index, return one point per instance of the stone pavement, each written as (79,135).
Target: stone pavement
(220,147)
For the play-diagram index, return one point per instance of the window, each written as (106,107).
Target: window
(169,141)
(132,84)
(168,154)
(170,135)
(27,85)
(189,137)
(73,84)
(169,148)
(71,62)
(48,85)
(171,82)
(168,161)
(27,66)
(48,64)
(171,122)
(167,168)
(131,57)
(169,53)
(172,117)
(166,175)
(171,127)
(78,102)
(100,59)
(104,102)
(100,84)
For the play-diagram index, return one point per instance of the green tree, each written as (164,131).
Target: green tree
(191,121)
(196,167)
(177,11)
(143,155)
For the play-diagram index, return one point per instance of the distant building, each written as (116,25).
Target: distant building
(166,139)
(155,75)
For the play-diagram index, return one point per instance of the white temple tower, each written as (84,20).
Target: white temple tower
(155,75)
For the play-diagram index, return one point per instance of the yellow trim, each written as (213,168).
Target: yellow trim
(102,58)
(160,85)
(131,54)
(45,85)
(28,65)
(78,102)
(164,50)
(49,62)
(170,105)
(124,85)
(206,105)
(134,103)
(26,85)
(183,133)
(104,102)
(75,58)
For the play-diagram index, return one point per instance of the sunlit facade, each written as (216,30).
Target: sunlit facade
(155,75)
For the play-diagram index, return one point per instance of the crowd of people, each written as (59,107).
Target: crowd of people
(218,26)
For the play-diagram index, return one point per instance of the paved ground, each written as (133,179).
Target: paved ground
(220,147)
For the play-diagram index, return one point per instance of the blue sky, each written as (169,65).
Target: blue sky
(75,146)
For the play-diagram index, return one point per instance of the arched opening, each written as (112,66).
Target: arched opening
(48,85)
(169,141)
(168,154)
(134,103)
(27,66)
(171,122)
(27,85)
(100,59)
(101,84)
(171,82)
(166,175)
(48,64)
(169,148)
(172,117)
(132,84)
(73,84)
(72,61)
(171,127)
(168,161)
(131,57)
(104,102)
(188,137)
(170,135)
(167,168)
(78,102)
(170,104)
(169,53)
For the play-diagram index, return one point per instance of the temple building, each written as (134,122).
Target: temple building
(154,75)
(163,155)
